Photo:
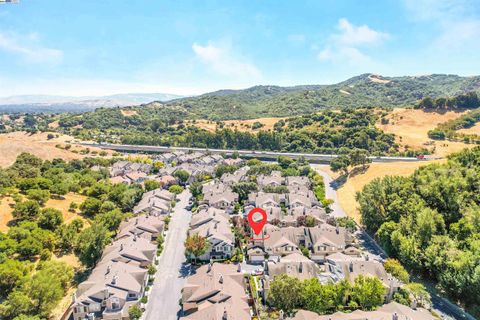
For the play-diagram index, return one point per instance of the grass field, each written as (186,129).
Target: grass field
(62,205)
(14,143)
(241,125)
(473,130)
(411,127)
(346,193)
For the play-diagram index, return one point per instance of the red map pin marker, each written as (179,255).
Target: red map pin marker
(257,226)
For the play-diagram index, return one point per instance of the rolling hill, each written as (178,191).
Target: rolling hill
(366,90)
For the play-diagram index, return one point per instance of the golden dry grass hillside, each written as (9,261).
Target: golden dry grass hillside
(14,143)
(473,130)
(241,125)
(346,192)
(6,208)
(411,127)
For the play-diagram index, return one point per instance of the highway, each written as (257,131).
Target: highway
(263,155)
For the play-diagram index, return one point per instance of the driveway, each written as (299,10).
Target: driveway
(330,191)
(163,301)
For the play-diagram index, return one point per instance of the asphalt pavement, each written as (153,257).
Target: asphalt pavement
(163,301)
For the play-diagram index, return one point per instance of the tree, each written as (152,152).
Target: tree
(91,206)
(12,272)
(152,185)
(90,244)
(340,163)
(196,245)
(196,189)
(244,189)
(286,293)
(220,170)
(38,195)
(17,303)
(44,291)
(59,189)
(359,157)
(66,235)
(367,292)
(182,176)
(323,298)
(135,312)
(50,218)
(284,161)
(27,210)
(29,247)
(395,268)
(58,270)
(175,189)
(25,317)
(110,219)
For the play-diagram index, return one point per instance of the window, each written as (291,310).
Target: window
(115,303)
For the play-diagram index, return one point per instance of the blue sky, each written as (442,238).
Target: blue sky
(88,47)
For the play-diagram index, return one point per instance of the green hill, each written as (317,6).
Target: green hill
(366,90)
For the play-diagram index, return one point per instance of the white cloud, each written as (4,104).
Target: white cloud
(223,61)
(325,54)
(351,35)
(345,45)
(28,48)
(458,21)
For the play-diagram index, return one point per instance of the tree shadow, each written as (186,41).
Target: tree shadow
(358,170)
(186,270)
(338,182)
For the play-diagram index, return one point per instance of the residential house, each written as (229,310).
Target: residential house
(326,239)
(207,215)
(300,200)
(216,291)
(295,265)
(109,292)
(266,200)
(293,215)
(149,227)
(132,250)
(214,188)
(219,234)
(225,200)
(118,281)
(119,179)
(390,311)
(233,162)
(321,241)
(239,175)
(158,201)
(166,180)
(298,181)
(340,266)
(136,176)
(274,179)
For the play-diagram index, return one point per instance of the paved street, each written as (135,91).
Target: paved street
(330,191)
(165,294)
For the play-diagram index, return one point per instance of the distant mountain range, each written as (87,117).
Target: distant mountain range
(366,90)
(51,103)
